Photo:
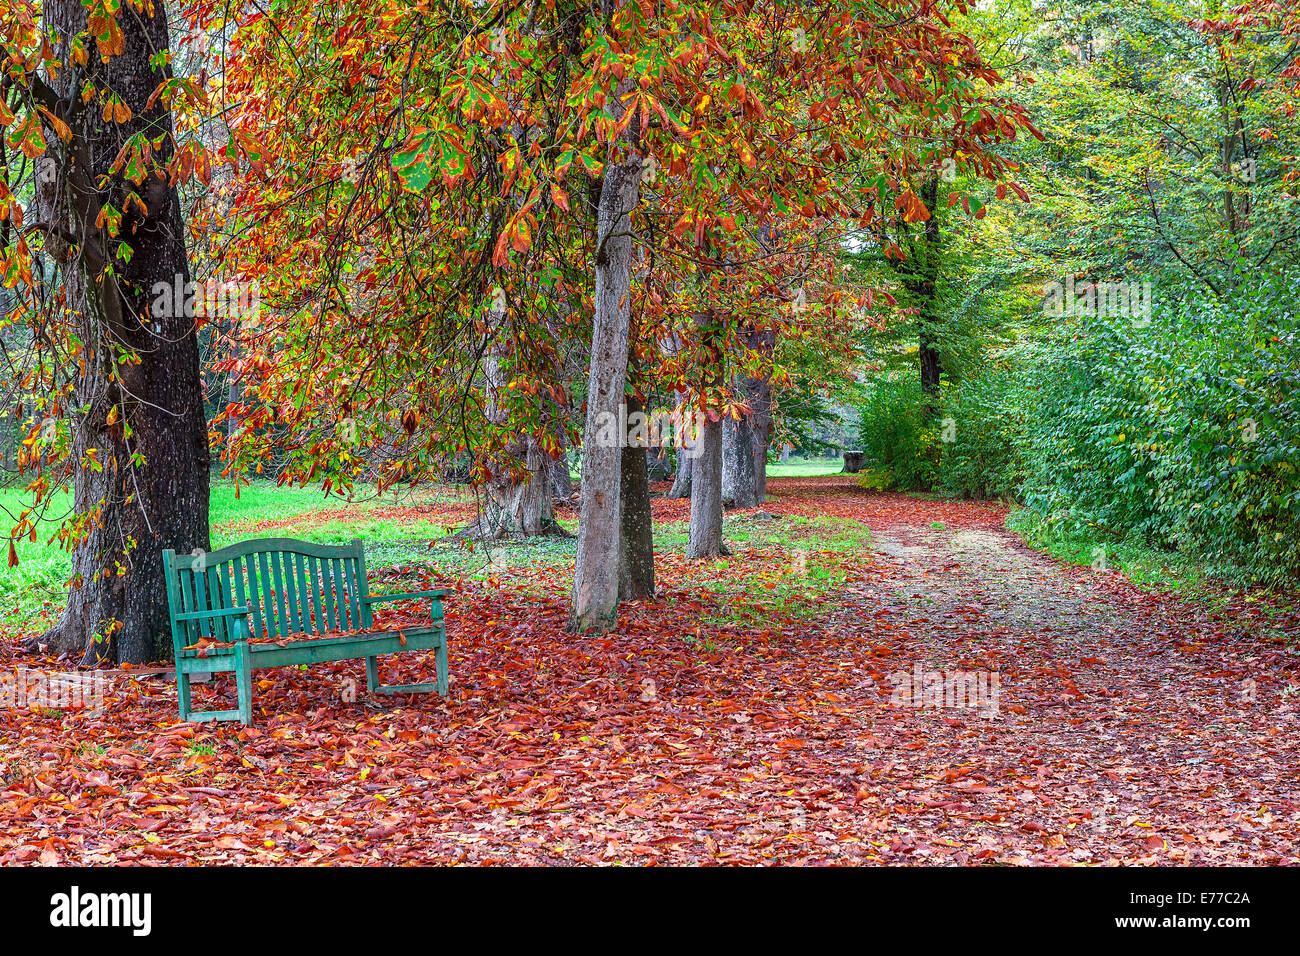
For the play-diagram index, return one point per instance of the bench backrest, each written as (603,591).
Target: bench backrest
(292,587)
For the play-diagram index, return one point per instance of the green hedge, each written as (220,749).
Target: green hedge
(1185,433)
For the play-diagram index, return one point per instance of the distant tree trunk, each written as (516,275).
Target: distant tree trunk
(682,480)
(513,504)
(636,552)
(595,575)
(927,295)
(705,535)
(561,477)
(659,466)
(759,392)
(737,463)
(152,490)
(518,505)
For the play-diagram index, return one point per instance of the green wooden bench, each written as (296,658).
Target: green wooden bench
(273,588)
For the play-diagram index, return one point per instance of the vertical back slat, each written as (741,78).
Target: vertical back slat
(363,587)
(341,594)
(291,592)
(327,592)
(315,579)
(254,595)
(173,597)
(304,593)
(268,597)
(213,588)
(187,600)
(227,598)
(201,598)
(354,591)
(276,560)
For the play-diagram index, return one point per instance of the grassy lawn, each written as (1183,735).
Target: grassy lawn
(36,587)
(801,468)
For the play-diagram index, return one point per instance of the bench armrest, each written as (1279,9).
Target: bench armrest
(377,598)
(220,612)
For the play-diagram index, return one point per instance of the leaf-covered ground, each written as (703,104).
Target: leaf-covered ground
(744,717)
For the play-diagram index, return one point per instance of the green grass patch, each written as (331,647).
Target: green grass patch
(800,468)
(1145,566)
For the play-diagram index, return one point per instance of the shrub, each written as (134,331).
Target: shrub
(983,433)
(900,446)
(1185,433)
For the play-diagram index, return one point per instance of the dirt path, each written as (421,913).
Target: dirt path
(1127,718)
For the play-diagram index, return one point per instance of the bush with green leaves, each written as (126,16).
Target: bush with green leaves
(899,443)
(982,434)
(1184,432)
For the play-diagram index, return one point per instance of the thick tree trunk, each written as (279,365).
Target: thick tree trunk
(737,463)
(595,575)
(636,552)
(152,490)
(516,505)
(705,536)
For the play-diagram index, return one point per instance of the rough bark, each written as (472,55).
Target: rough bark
(159,500)
(705,536)
(682,480)
(636,552)
(595,575)
(513,504)
(737,463)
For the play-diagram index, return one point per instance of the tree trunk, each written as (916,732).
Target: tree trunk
(759,393)
(682,480)
(152,491)
(561,478)
(737,463)
(705,537)
(636,552)
(595,574)
(513,504)
(927,293)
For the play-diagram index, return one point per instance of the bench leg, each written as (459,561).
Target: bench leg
(440,659)
(244,681)
(372,674)
(183,695)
